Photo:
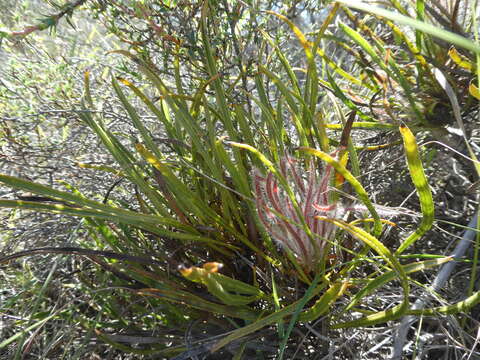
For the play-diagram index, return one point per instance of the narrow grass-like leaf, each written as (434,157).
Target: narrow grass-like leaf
(459,307)
(389,66)
(163,176)
(90,208)
(370,125)
(376,318)
(182,114)
(270,319)
(392,275)
(347,101)
(228,290)
(392,260)
(178,81)
(16,336)
(190,201)
(262,157)
(269,119)
(296,314)
(240,174)
(77,200)
(184,117)
(413,50)
(421,17)
(276,302)
(323,304)
(196,302)
(137,122)
(170,130)
(420,25)
(132,350)
(290,100)
(125,160)
(198,98)
(307,45)
(286,65)
(147,222)
(104,168)
(421,184)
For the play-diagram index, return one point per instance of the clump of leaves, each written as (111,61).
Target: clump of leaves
(197,203)
(397,66)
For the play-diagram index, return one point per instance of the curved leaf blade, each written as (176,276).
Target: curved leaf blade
(419,179)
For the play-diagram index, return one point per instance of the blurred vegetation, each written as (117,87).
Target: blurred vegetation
(214,172)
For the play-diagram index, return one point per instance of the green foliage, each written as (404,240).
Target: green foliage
(425,52)
(238,170)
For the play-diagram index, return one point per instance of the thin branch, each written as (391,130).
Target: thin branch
(49,21)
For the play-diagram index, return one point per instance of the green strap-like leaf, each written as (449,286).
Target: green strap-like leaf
(270,319)
(151,223)
(228,290)
(420,25)
(322,305)
(392,260)
(185,298)
(307,45)
(392,275)
(390,66)
(135,118)
(423,189)
(460,307)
